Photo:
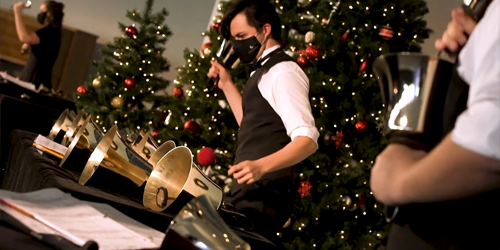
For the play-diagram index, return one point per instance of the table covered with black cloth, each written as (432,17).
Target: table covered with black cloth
(27,170)
(23,109)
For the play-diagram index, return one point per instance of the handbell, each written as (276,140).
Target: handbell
(413,88)
(200,227)
(144,144)
(77,123)
(61,125)
(175,180)
(113,153)
(81,145)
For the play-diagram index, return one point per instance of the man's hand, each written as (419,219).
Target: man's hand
(247,171)
(18,7)
(389,171)
(217,70)
(456,34)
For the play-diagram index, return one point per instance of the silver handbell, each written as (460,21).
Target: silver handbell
(413,88)
(200,225)
(27,5)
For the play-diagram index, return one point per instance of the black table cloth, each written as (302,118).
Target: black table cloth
(28,170)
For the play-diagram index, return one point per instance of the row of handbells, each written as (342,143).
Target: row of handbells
(167,172)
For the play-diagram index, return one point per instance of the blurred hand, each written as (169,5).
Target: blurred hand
(24,48)
(456,34)
(247,171)
(18,7)
(218,70)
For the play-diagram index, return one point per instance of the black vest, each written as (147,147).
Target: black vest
(471,223)
(262,131)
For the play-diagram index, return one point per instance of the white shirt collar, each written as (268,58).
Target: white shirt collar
(269,50)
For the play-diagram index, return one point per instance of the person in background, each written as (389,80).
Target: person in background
(456,185)
(43,44)
(277,128)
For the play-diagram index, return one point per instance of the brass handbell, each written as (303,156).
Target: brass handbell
(200,225)
(145,146)
(81,145)
(114,154)
(77,123)
(175,180)
(61,125)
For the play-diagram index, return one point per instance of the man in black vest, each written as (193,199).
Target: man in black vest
(456,185)
(277,129)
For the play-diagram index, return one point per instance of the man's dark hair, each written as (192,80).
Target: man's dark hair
(258,13)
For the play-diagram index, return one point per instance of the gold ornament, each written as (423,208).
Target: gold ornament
(207,51)
(288,223)
(346,201)
(97,83)
(117,102)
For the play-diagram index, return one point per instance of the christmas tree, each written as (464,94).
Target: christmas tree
(335,42)
(128,88)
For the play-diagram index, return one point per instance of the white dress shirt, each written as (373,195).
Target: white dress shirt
(286,88)
(478,127)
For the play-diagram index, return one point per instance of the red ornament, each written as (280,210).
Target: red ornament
(344,37)
(364,65)
(305,188)
(155,133)
(131,31)
(312,52)
(361,201)
(206,156)
(192,126)
(338,138)
(361,125)
(386,33)
(178,92)
(216,26)
(81,89)
(130,82)
(302,61)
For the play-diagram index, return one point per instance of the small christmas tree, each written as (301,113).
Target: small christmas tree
(127,88)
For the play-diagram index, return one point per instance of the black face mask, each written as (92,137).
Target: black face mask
(247,49)
(41,17)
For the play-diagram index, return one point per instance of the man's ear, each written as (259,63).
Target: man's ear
(267,28)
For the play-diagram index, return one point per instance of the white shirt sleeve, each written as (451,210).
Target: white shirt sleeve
(478,127)
(286,88)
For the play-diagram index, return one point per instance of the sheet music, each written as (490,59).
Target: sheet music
(79,219)
(42,141)
(145,231)
(26,85)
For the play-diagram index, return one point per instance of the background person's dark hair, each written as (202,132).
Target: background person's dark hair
(258,13)
(54,13)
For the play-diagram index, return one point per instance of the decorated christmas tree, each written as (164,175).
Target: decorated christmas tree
(128,89)
(335,42)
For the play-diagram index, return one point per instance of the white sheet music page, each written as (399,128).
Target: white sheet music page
(147,232)
(42,141)
(26,85)
(78,220)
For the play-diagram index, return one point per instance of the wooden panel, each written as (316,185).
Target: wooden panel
(78,62)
